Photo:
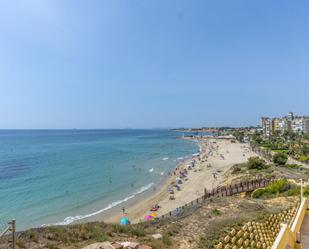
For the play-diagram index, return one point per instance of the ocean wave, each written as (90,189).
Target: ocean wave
(151,170)
(199,147)
(71,219)
(180,158)
(162,173)
(165,158)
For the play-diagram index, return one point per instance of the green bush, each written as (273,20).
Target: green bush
(166,239)
(258,193)
(274,189)
(281,150)
(216,212)
(256,163)
(293,166)
(280,159)
(304,158)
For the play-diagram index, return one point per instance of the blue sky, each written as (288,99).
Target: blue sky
(145,64)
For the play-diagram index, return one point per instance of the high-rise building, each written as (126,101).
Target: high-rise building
(277,124)
(297,124)
(290,122)
(266,126)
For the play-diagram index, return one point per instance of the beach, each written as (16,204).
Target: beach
(215,158)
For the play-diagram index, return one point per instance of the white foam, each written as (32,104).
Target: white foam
(71,219)
(151,170)
(165,158)
(199,147)
(180,158)
(162,173)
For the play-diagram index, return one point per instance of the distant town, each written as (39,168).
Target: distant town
(299,124)
(269,126)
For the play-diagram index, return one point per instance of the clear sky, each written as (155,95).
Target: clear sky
(146,64)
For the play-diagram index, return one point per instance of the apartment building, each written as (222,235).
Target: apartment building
(290,122)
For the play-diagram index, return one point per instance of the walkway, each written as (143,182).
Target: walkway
(304,230)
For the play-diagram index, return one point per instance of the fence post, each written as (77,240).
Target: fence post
(13,230)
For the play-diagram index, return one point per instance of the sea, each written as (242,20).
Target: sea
(57,177)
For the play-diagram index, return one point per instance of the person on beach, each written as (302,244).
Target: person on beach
(123,210)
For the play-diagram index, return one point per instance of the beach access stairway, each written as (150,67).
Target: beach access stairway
(304,232)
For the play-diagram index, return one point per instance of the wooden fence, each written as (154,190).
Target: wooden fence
(223,191)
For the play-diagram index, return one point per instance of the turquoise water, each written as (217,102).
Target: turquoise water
(61,176)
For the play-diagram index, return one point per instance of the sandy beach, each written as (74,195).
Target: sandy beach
(215,158)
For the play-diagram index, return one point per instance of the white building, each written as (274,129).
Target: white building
(266,126)
(290,122)
(298,124)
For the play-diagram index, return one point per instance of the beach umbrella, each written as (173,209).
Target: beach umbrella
(148,217)
(124,221)
(153,215)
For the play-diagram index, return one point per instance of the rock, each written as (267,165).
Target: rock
(157,236)
(131,245)
(104,245)
(116,246)
(144,247)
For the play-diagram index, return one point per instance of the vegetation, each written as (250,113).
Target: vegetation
(76,236)
(240,135)
(280,188)
(274,189)
(256,163)
(280,159)
(216,211)
(293,166)
(291,143)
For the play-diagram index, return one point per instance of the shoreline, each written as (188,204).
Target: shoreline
(215,157)
(113,215)
(104,212)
